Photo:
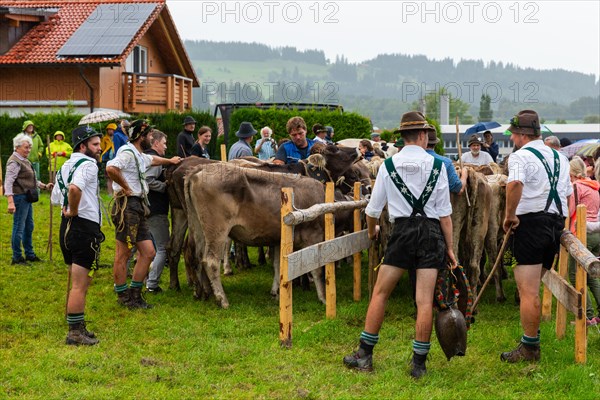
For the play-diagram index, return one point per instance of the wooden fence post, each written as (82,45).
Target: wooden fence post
(223,152)
(563,270)
(285,286)
(581,286)
(357,256)
(330,292)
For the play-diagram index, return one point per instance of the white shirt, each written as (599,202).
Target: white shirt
(125,161)
(414,166)
(318,139)
(482,159)
(525,167)
(85,178)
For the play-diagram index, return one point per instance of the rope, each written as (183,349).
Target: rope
(445,300)
(119,209)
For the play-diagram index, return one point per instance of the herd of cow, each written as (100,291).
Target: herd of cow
(240,200)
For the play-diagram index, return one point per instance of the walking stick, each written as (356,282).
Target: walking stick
(51,179)
(1,174)
(496,264)
(460,162)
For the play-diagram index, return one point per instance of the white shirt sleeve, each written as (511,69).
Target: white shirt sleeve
(378,195)
(121,160)
(442,204)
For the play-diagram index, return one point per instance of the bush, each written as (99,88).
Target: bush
(346,125)
(66,120)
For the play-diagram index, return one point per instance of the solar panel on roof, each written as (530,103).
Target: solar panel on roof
(108,30)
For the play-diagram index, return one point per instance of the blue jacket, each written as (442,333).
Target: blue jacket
(292,153)
(492,151)
(119,139)
(454,183)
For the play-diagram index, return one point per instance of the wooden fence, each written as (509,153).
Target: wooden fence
(294,264)
(571,298)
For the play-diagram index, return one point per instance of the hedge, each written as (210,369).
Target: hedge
(66,120)
(346,125)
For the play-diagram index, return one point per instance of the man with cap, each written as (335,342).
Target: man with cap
(242,147)
(455,184)
(329,135)
(76,190)
(320,132)
(476,156)
(120,136)
(415,187)
(537,190)
(376,137)
(130,209)
(185,138)
(489,146)
(298,148)
(58,150)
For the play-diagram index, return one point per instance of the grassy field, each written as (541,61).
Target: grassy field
(184,348)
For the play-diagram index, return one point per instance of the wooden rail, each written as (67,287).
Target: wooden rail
(151,92)
(571,298)
(294,264)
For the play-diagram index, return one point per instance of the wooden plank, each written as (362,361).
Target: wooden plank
(357,256)
(581,287)
(561,311)
(330,292)
(547,298)
(181,95)
(563,291)
(285,284)
(224,153)
(581,254)
(314,212)
(303,261)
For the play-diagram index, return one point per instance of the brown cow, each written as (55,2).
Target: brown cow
(242,203)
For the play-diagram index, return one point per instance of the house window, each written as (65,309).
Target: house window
(137,62)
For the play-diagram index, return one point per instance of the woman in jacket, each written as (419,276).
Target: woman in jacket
(20,187)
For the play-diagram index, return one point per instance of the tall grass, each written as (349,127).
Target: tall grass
(184,348)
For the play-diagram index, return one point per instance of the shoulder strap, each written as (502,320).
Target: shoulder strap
(141,175)
(418,205)
(552,177)
(64,190)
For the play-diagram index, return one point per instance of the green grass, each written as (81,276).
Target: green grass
(184,348)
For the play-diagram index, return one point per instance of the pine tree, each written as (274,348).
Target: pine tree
(486,113)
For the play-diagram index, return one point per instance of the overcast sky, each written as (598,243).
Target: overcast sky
(539,34)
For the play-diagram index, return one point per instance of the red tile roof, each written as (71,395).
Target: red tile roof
(43,41)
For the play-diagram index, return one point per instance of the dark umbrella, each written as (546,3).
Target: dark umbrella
(481,127)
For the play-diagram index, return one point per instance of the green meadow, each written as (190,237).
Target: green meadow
(189,349)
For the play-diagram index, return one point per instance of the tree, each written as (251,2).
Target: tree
(591,119)
(457,107)
(486,113)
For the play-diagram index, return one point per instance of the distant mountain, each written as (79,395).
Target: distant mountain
(385,86)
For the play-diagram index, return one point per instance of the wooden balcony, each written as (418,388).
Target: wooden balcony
(156,92)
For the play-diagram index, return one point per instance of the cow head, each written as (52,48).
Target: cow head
(336,160)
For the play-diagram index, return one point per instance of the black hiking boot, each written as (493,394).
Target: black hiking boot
(136,300)
(523,352)
(86,332)
(359,360)
(77,336)
(123,298)
(417,365)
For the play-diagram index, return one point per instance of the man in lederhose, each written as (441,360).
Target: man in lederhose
(76,190)
(421,239)
(537,189)
(130,210)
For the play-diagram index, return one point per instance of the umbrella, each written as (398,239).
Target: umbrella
(481,127)
(100,116)
(588,150)
(545,129)
(574,148)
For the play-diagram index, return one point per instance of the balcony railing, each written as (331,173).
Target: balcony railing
(156,92)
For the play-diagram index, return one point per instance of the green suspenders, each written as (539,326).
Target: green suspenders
(418,205)
(553,178)
(64,187)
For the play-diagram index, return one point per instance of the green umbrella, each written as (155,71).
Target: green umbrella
(588,150)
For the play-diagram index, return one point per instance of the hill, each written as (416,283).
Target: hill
(385,86)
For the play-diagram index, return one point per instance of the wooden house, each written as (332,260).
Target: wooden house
(105,54)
